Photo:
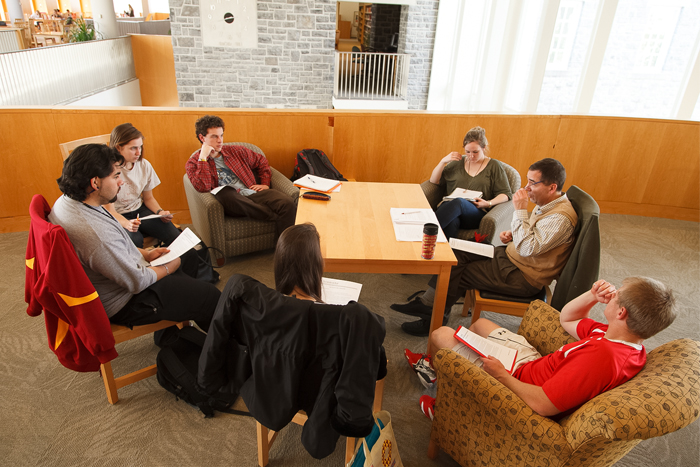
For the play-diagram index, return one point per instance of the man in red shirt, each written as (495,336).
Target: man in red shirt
(606,355)
(243,175)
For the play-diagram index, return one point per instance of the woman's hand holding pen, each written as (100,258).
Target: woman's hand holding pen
(132,225)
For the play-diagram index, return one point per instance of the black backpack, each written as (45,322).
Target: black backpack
(315,162)
(177,363)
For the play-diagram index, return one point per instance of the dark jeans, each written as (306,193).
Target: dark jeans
(456,214)
(266,205)
(164,231)
(495,274)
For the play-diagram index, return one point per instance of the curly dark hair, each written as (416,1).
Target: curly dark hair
(208,121)
(85,163)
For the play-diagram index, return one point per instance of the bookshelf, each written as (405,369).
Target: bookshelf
(365,28)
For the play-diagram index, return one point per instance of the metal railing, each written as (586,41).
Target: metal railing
(64,73)
(363,75)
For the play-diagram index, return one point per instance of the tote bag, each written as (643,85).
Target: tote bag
(379,449)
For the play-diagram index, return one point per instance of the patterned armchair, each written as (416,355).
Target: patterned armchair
(234,235)
(495,221)
(480,421)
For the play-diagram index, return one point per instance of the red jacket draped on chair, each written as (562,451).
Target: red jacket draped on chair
(78,329)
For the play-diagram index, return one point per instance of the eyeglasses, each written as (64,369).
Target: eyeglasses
(533,183)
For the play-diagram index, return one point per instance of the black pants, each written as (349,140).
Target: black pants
(177,297)
(266,205)
(495,274)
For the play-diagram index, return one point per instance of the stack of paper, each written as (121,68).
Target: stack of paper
(487,348)
(464,193)
(483,249)
(312,182)
(186,240)
(408,224)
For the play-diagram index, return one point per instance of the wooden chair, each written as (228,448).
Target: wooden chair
(123,334)
(78,329)
(266,436)
(578,275)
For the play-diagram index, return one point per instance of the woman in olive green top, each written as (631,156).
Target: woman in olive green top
(473,171)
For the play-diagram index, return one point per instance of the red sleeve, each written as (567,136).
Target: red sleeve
(202,174)
(587,326)
(259,164)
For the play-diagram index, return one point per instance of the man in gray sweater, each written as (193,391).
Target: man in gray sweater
(131,290)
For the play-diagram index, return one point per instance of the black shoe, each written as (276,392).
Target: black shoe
(420,328)
(414,308)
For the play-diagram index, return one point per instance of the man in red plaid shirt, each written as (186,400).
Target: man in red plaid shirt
(244,176)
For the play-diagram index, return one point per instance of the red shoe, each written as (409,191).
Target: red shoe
(422,365)
(427,406)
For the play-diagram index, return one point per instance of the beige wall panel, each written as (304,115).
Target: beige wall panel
(618,160)
(155,69)
(404,147)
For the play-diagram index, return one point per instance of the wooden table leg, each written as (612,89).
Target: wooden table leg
(439,302)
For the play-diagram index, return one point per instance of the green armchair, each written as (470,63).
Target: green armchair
(478,421)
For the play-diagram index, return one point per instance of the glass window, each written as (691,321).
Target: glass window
(696,112)
(646,58)
(575,22)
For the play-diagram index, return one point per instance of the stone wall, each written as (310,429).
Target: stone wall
(417,37)
(292,67)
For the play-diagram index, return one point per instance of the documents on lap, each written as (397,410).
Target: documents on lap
(157,216)
(339,292)
(408,224)
(463,193)
(185,241)
(483,249)
(486,348)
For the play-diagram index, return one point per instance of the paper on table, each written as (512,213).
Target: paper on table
(156,216)
(186,240)
(464,193)
(485,347)
(312,182)
(408,224)
(339,292)
(217,189)
(483,249)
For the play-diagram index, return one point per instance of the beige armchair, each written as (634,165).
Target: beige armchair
(480,421)
(495,221)
(234,235)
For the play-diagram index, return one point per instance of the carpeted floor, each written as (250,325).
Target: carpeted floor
(53,416)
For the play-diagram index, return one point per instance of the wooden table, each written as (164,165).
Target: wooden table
(357,235)
(41,37)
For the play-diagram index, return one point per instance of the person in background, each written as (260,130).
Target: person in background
(474,171)
(244,175)
(135,199)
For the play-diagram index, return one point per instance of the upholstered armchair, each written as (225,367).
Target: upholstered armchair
(495,221)
(234,235)
(478,421)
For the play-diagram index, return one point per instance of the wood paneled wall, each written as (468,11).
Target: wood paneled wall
(630,166)
(154,65)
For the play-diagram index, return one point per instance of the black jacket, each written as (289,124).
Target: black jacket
(284,355)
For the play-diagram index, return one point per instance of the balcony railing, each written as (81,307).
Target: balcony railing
(372,76)
(62,73)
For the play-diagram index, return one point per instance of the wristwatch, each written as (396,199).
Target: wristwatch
(159,210)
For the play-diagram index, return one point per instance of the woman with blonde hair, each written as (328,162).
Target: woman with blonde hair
(474,171)
(135,199)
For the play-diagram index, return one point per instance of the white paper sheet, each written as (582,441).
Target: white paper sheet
(217,189)
(185,241)
(483,249)
(408,224)
(339,292)
(312,182)
(488,348)
(156,216)
(464,193)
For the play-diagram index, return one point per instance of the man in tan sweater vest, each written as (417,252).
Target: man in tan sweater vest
(537,248)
